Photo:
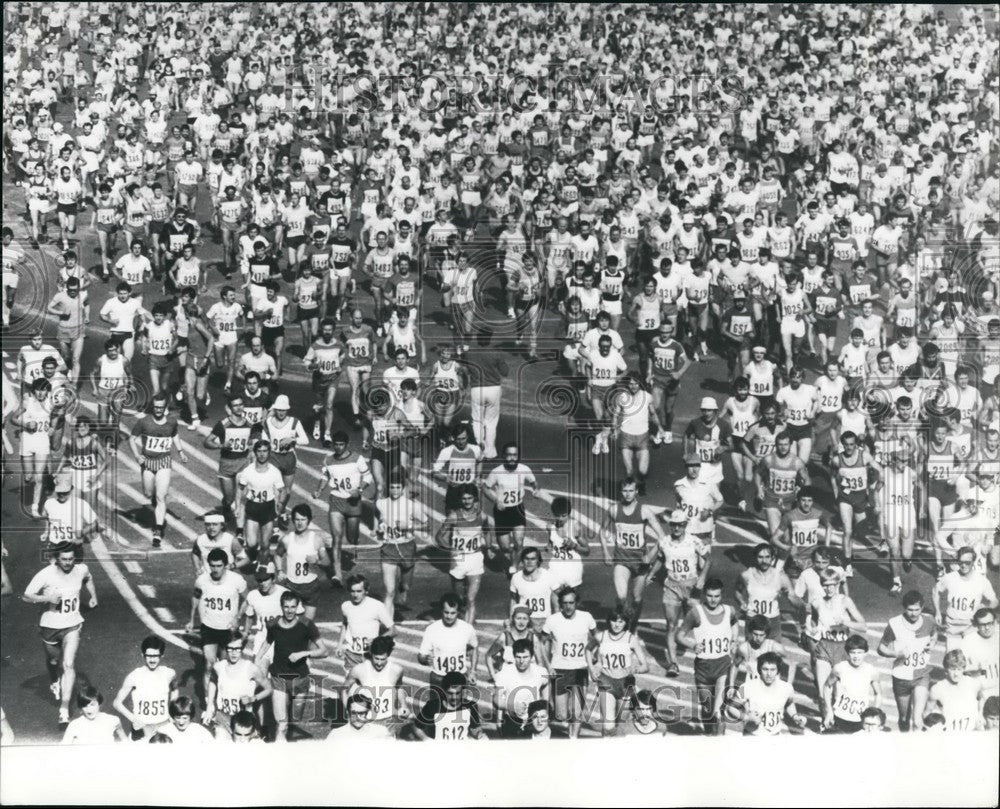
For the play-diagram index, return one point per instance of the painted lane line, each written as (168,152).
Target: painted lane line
(178,468)
(147,590)
(216,494)
(165,615)
(138,497)
(133,567)
(131,599)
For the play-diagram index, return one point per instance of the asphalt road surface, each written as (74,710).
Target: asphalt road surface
(143,591)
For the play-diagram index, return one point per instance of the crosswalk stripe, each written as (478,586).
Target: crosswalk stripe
(366,532)
(139,498)
(408,651)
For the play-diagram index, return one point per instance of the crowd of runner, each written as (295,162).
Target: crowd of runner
(804,196)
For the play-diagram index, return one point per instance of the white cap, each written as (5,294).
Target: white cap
(708,403)
(687,219)
(281,403)
(678,515)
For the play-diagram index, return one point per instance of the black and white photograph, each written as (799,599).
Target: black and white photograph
(379,375)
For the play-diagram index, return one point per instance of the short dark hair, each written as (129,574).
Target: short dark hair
(562,592)
(453,678)
(181,706)
(360,699)
(245,720)
(382,645)
(88,695)
(522,645)
(768,658)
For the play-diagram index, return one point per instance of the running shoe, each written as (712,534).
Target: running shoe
(897,586)
(194,424)
(849,571)
(316,432)
(56,689)
(668,437)
(64,716)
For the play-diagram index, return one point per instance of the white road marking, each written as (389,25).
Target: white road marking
(147,590)
(133,567)
(132,600)
(165,615)
(141,499)
(128,595)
